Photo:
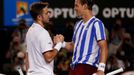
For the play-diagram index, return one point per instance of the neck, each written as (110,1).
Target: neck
(88,15)
(40,23)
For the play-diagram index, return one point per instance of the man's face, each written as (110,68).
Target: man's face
(78,8)
(45,15)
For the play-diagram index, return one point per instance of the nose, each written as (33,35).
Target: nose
(50,14)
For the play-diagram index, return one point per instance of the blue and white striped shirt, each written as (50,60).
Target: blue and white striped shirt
(85,37)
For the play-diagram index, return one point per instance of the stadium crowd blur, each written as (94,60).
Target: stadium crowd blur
(120,43)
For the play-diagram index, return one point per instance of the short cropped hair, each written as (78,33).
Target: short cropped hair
(36,9)
(88,2)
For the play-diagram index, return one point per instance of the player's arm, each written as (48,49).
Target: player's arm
(104,51)
(49,55)
(101,39)
(103,56)
(69,46)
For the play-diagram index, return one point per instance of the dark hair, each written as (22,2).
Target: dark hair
(88,2)
(36,9)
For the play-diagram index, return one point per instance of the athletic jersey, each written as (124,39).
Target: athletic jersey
(38,41)
(85,37)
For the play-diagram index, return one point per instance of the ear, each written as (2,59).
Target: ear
(85,6)
(39,17)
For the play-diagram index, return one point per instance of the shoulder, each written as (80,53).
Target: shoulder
(98,20)
(44,34)
(78,23)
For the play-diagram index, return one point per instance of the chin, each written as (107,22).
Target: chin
(48,22)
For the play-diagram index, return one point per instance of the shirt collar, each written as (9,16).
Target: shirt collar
(88,21)
(37,25)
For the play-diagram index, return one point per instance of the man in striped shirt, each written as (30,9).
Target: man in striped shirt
(88,43)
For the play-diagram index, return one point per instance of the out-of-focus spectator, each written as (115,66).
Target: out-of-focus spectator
(21,30)
(116,37)
(114,63)
(16,52)
(126,51)
(121,48)
(62,62)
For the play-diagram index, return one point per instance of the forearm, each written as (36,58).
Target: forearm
(103,55)
(69,46)
(103,52)
(50,55)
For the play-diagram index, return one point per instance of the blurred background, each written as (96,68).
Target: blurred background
(117,16)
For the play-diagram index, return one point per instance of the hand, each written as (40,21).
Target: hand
(58,38)
(61,37)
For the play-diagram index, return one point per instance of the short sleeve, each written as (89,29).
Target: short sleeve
(45,42)
(99,30)
(77,24)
